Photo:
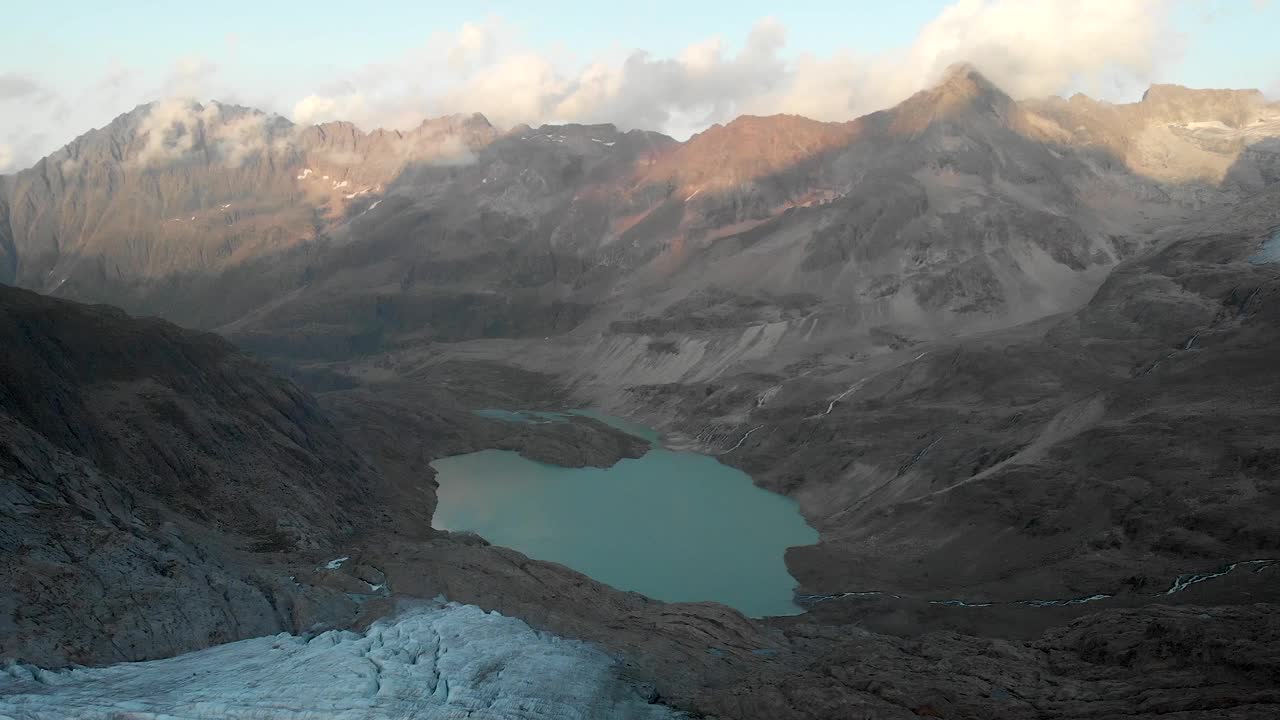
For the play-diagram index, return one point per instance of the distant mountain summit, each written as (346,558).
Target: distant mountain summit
(959,207)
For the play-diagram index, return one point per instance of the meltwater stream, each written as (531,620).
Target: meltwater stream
(676,526)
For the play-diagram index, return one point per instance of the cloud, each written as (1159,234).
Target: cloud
(317,109)
(1029,48)
(1041,48)
(28,110)
(448,152)
(172,130)
(511,85)
(38,121)
(1111,48)
(475,43)
(14,86)
(169,130)
(190,76)
(1108,48)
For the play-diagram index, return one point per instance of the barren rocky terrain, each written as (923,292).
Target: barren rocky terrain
(1014,359)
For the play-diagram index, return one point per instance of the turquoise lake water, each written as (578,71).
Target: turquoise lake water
(676,526)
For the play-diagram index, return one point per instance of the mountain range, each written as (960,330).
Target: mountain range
(1013,358)
(957,208)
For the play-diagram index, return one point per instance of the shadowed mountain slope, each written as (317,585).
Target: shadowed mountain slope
(147,475)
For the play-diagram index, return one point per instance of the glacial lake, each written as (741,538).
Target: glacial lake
(676,526)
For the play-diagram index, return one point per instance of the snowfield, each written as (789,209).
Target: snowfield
(433,661)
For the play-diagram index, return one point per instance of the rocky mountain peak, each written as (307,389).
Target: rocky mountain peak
(458,123)
(962,91)
(750,147)
(963,81)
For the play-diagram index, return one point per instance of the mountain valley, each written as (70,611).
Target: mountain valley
(1000,352)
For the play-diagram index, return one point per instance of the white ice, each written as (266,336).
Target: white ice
(432,662)
(335,563)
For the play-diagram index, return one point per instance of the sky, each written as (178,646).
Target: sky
(69,66)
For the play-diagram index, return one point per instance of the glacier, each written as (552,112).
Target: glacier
(429,661)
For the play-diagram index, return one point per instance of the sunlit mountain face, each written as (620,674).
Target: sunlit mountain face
(771,381)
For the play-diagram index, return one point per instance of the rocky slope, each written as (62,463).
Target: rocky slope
(1182,137)
(1101,451)
(139,463)
(158,488)
(998,350)
(960,209)
(167,199)
(153,560)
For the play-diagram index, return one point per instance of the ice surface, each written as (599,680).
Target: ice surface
(335,563)
(1269,252)
(430,662)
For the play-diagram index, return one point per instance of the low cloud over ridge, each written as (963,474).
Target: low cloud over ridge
(1029,47)
(1108,48)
